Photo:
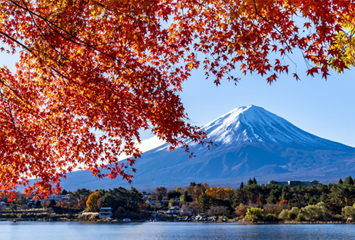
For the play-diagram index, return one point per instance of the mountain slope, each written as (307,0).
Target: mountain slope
(250,142)
(255,124)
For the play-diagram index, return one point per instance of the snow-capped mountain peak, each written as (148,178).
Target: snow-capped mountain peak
(255,124)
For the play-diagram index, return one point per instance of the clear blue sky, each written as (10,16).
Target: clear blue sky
(325,108)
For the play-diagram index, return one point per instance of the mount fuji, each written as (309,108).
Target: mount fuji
(251,142)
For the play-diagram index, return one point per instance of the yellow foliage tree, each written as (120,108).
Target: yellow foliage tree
(344,42)
(218,192)
(179,189)
(91,203)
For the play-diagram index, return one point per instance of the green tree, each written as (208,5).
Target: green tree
(171,202)
(336,194)
(284,214)
(161,192)
(292,214)
(173,194)
(255,193)
(349,181)
(273,196)
(348,212)
(239,197)
(285,195)
(255,214)
(135,198)
(204,202)
(241,185)
(52,203)
(186,197)
(109,200)
(318,211)
(122,201)
(300,217)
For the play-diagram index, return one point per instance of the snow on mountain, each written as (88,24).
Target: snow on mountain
(250,142)
(255,124)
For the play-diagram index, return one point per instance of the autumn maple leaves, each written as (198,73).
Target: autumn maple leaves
(116,67)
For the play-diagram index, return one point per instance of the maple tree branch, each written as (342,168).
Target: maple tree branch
(25,102)
(88,98)
(3,83)
(262,17)
(40,30)
(55,70)
(19,43)
(81,42)
(124,14)
(12,120)
(50,24)
(68,79)
(43,35)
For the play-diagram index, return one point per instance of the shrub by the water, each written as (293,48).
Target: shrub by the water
(271,217)
(300,217)
(255,214)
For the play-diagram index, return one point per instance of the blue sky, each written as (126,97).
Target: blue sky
(325,108)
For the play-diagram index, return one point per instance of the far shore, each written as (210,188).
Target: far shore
(23,217)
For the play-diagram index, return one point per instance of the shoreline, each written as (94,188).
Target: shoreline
(288,222)
(45,215)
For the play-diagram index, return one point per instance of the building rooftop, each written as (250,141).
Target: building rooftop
(294,183)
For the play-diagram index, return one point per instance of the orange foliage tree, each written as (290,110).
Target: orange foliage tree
(115,67)
(218,192)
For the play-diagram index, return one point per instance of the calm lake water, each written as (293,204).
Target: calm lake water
(171,231)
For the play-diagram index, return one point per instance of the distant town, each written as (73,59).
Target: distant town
(277,202)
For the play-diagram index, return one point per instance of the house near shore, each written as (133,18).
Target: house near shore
(295,183)
(105,212)
(173,211)
(56,198)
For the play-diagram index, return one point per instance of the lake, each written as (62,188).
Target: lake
(171,231)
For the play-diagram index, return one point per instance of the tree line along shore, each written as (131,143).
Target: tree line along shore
(250,203)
